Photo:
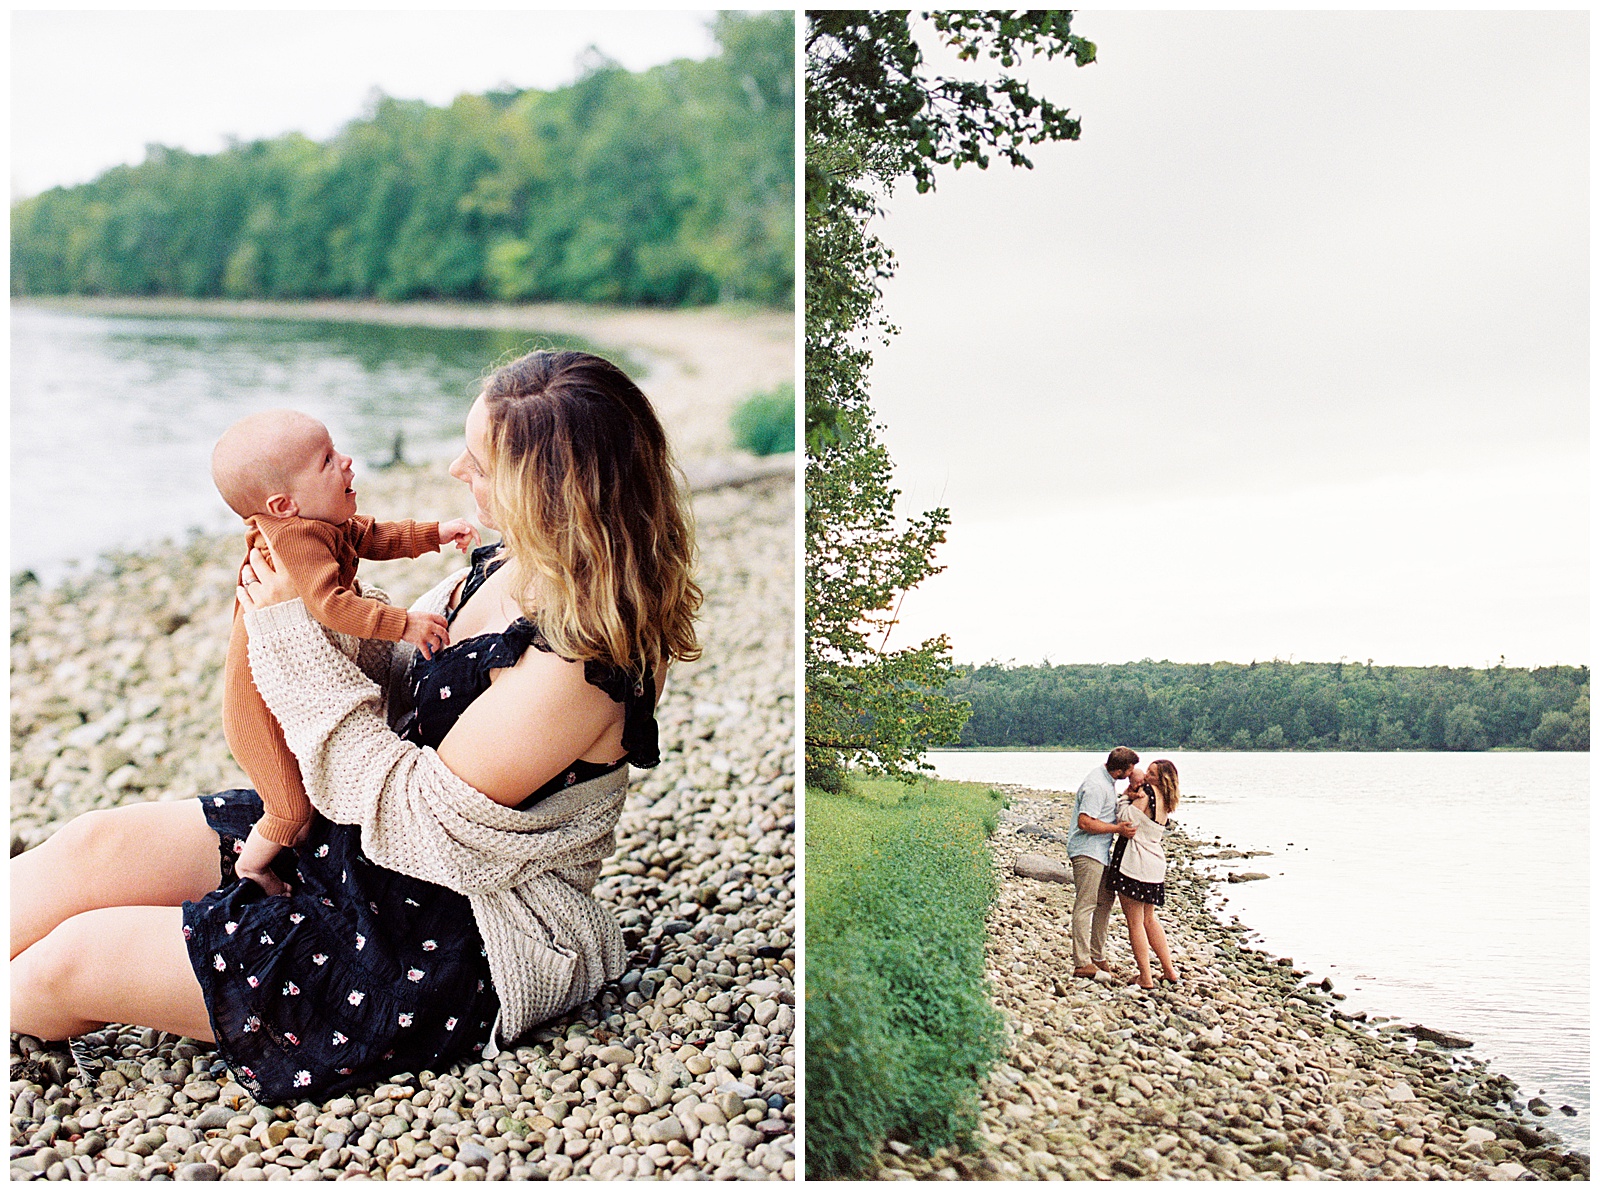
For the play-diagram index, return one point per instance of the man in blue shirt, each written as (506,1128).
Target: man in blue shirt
(1094,822)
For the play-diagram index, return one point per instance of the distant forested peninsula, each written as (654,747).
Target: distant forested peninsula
(1274,705)
(672,186)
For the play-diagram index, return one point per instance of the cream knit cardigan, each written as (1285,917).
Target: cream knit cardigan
(527,874)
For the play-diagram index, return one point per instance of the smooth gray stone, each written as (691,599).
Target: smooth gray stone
(1440,1038)
(1038,867)
(215,1117)
(704,475)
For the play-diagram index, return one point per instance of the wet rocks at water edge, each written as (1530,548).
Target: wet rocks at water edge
(1241,1072)
(685,1067)
(1440,1038)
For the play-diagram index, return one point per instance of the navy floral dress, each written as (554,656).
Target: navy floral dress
(360,971)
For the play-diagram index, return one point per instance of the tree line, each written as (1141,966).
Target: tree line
(1274,705)
(877,117)
(671,186)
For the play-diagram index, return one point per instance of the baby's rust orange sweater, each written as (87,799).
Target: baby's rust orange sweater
(321,559)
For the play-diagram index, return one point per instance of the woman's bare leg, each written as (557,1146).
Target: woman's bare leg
(1133,911)
(1158,943)
(146,854)
(124,964)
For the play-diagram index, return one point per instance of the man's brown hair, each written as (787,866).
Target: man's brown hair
(1121,757)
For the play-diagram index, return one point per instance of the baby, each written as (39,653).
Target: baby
(279,471)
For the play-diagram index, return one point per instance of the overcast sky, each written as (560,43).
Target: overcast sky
(90,89)
(1287,356)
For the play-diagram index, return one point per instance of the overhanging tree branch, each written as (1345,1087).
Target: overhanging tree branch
(874,117)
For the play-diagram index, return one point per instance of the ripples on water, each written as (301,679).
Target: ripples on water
(113,418)
(1450,889)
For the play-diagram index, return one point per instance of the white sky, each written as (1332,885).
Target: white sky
(90,89)
(1287,356)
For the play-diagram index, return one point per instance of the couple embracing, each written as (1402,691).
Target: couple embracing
(1133,869)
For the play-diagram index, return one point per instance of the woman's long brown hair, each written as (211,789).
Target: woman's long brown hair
(1163,775)
(595,520)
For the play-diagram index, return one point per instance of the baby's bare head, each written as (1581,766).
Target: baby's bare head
(258,457)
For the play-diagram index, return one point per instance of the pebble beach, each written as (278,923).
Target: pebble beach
(1246,1070)
(684,1068)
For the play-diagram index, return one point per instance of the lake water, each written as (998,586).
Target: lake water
(1450,889)
(113,418)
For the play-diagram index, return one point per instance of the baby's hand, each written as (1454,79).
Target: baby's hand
(254,863)
(427,632)
(460,531)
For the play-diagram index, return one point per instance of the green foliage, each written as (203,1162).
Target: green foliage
(874,117)
(1275,705)
(864,75)
(764,422)
(865,703)
(1563,731)
(899,1026)
(674,186)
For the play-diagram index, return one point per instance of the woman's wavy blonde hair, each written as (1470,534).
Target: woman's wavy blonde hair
(595,521)
(1163,775)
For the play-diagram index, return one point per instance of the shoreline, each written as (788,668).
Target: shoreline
(653,325)
(1244,1071)
(699,366)
(685,1066)
(1187,748)
(700,362)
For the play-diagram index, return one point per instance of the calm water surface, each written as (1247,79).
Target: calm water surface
(1450,889)
(113,418)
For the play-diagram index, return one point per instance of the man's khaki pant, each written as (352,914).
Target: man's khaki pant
(1091,911)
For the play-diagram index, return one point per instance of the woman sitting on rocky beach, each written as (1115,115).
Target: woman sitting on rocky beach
(440,905)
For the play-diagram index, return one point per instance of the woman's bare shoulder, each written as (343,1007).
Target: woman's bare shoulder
(540,676)
(536,717)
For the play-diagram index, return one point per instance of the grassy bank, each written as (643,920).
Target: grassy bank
(899,1027)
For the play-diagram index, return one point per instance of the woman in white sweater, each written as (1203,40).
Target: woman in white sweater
(440,905)
(1139,867)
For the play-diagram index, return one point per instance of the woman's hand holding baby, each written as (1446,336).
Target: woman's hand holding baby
(428,632)
(460,531)
(260,586)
